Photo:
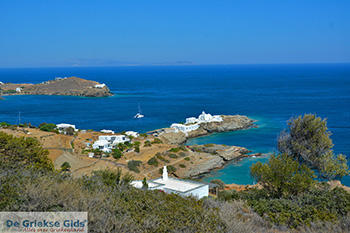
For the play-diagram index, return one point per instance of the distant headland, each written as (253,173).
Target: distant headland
(71,86)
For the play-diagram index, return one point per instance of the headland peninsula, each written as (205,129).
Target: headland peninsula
(69,86)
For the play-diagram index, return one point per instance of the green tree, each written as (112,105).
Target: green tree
(308,140)
(21,152)
(283,176)
(220,183)
(112,178)
(116,153)
(47,127)
(65,166)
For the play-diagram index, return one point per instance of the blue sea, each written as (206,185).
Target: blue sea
(271,94)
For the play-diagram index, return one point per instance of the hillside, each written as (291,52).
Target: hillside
(72,86)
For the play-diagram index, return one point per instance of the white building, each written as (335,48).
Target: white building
(100,85)
(1,83)
(107,142)
(178,186)
(204,118)
(103,145)
(107,131)
(18,90)
(63,127)
(132,133)
(184,128)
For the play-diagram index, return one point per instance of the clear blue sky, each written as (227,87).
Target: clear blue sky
(37,33)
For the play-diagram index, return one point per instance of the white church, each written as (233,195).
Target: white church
(193,123)
(173,185)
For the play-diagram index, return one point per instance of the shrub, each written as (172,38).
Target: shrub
(174,150)
(283,176)
(65,166)
(47,127)
(157,141)
(153,161)
(117,153)
(160,157)
(220,183)
(170,169)
(173,156)
(182,154)
(187,158)
(23,152)
(308,140)
(182,165)
(147,144)
(133,165)
(137,149)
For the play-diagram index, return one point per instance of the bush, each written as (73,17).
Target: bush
(157,141)
(65,166)
(116,153)
(182,154)
(137,149)
(153,161)
(173,156)
(48,127)
(20,152)
(308,140)
(161,158)
(283,176)
(220,183)
(147,144)
(182,165)
(175,150)
(133,165)
(187,158)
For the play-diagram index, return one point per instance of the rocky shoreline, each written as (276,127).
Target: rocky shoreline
(229,123)
(212,156)
(72,86)
(216,157)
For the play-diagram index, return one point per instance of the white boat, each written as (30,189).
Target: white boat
(139,114)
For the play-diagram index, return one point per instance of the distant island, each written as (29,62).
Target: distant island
(71,86)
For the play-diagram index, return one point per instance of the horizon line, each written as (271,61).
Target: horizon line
(169,64)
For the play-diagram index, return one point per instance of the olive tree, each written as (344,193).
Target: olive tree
(307,139)
(283,175)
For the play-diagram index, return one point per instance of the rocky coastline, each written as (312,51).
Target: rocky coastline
(216,157)
(229,123)
(72,86)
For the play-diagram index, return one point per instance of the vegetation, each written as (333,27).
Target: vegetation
(65,166)
(23,152)
(117,153)
(173,156)
(182,165)
(48,127)
(283,176)
(187,158)
(220,183)
(133,165)
(161,158)
(157,141)
(308,140)
(147,144)
(177,149)
(153,161)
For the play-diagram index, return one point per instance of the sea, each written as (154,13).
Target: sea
(270,94)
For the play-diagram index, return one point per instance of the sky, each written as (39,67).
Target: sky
(44,33)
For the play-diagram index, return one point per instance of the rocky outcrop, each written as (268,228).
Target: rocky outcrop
(209,163)
(72,86)
(229,123)
(213,156)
